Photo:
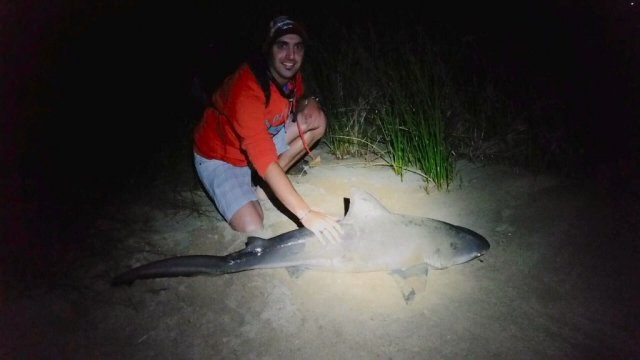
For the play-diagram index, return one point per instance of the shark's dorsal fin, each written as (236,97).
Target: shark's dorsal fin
(363,204)
(255,243)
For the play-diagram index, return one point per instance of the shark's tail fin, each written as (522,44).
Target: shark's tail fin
(173,267)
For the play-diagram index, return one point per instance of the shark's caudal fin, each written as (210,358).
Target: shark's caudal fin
(173,267)
(192,265)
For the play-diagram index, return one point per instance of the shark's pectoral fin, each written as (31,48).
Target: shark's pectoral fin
(412,271)
(411,281)
(296,271)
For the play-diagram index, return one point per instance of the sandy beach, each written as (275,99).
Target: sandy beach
(559,281)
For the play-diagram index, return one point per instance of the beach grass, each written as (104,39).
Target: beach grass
(422,102)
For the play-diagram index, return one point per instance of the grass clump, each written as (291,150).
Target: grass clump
(420,104)
(389,101)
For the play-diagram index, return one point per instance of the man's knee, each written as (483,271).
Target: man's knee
(247,227)
(247,219)
(319,126)
(322,124)
(313,120)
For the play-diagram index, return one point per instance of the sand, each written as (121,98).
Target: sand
(559,281)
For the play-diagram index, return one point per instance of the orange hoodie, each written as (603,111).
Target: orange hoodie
(236,129)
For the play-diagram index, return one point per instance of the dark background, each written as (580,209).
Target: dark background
(94,95)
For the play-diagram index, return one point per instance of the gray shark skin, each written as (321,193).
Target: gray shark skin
(374,239)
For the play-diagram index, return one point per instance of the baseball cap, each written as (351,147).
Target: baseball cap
(284,25)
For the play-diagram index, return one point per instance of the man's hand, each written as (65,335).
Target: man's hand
(325,227)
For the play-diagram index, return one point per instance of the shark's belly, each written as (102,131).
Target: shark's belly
(362,254)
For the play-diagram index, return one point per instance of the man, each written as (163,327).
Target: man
(259,121)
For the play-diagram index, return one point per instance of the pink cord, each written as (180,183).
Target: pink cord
(304,143)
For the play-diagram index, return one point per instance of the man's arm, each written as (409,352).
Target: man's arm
(325,227)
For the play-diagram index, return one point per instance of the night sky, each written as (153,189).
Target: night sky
(91,93)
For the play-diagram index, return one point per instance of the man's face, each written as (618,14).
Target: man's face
(287,53)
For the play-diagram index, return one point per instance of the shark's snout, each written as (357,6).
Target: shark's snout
(470,245)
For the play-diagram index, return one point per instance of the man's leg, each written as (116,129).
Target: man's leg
(248,218)
(230,189)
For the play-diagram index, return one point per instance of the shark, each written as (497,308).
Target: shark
(374,239)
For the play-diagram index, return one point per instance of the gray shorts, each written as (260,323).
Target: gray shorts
(230,186)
